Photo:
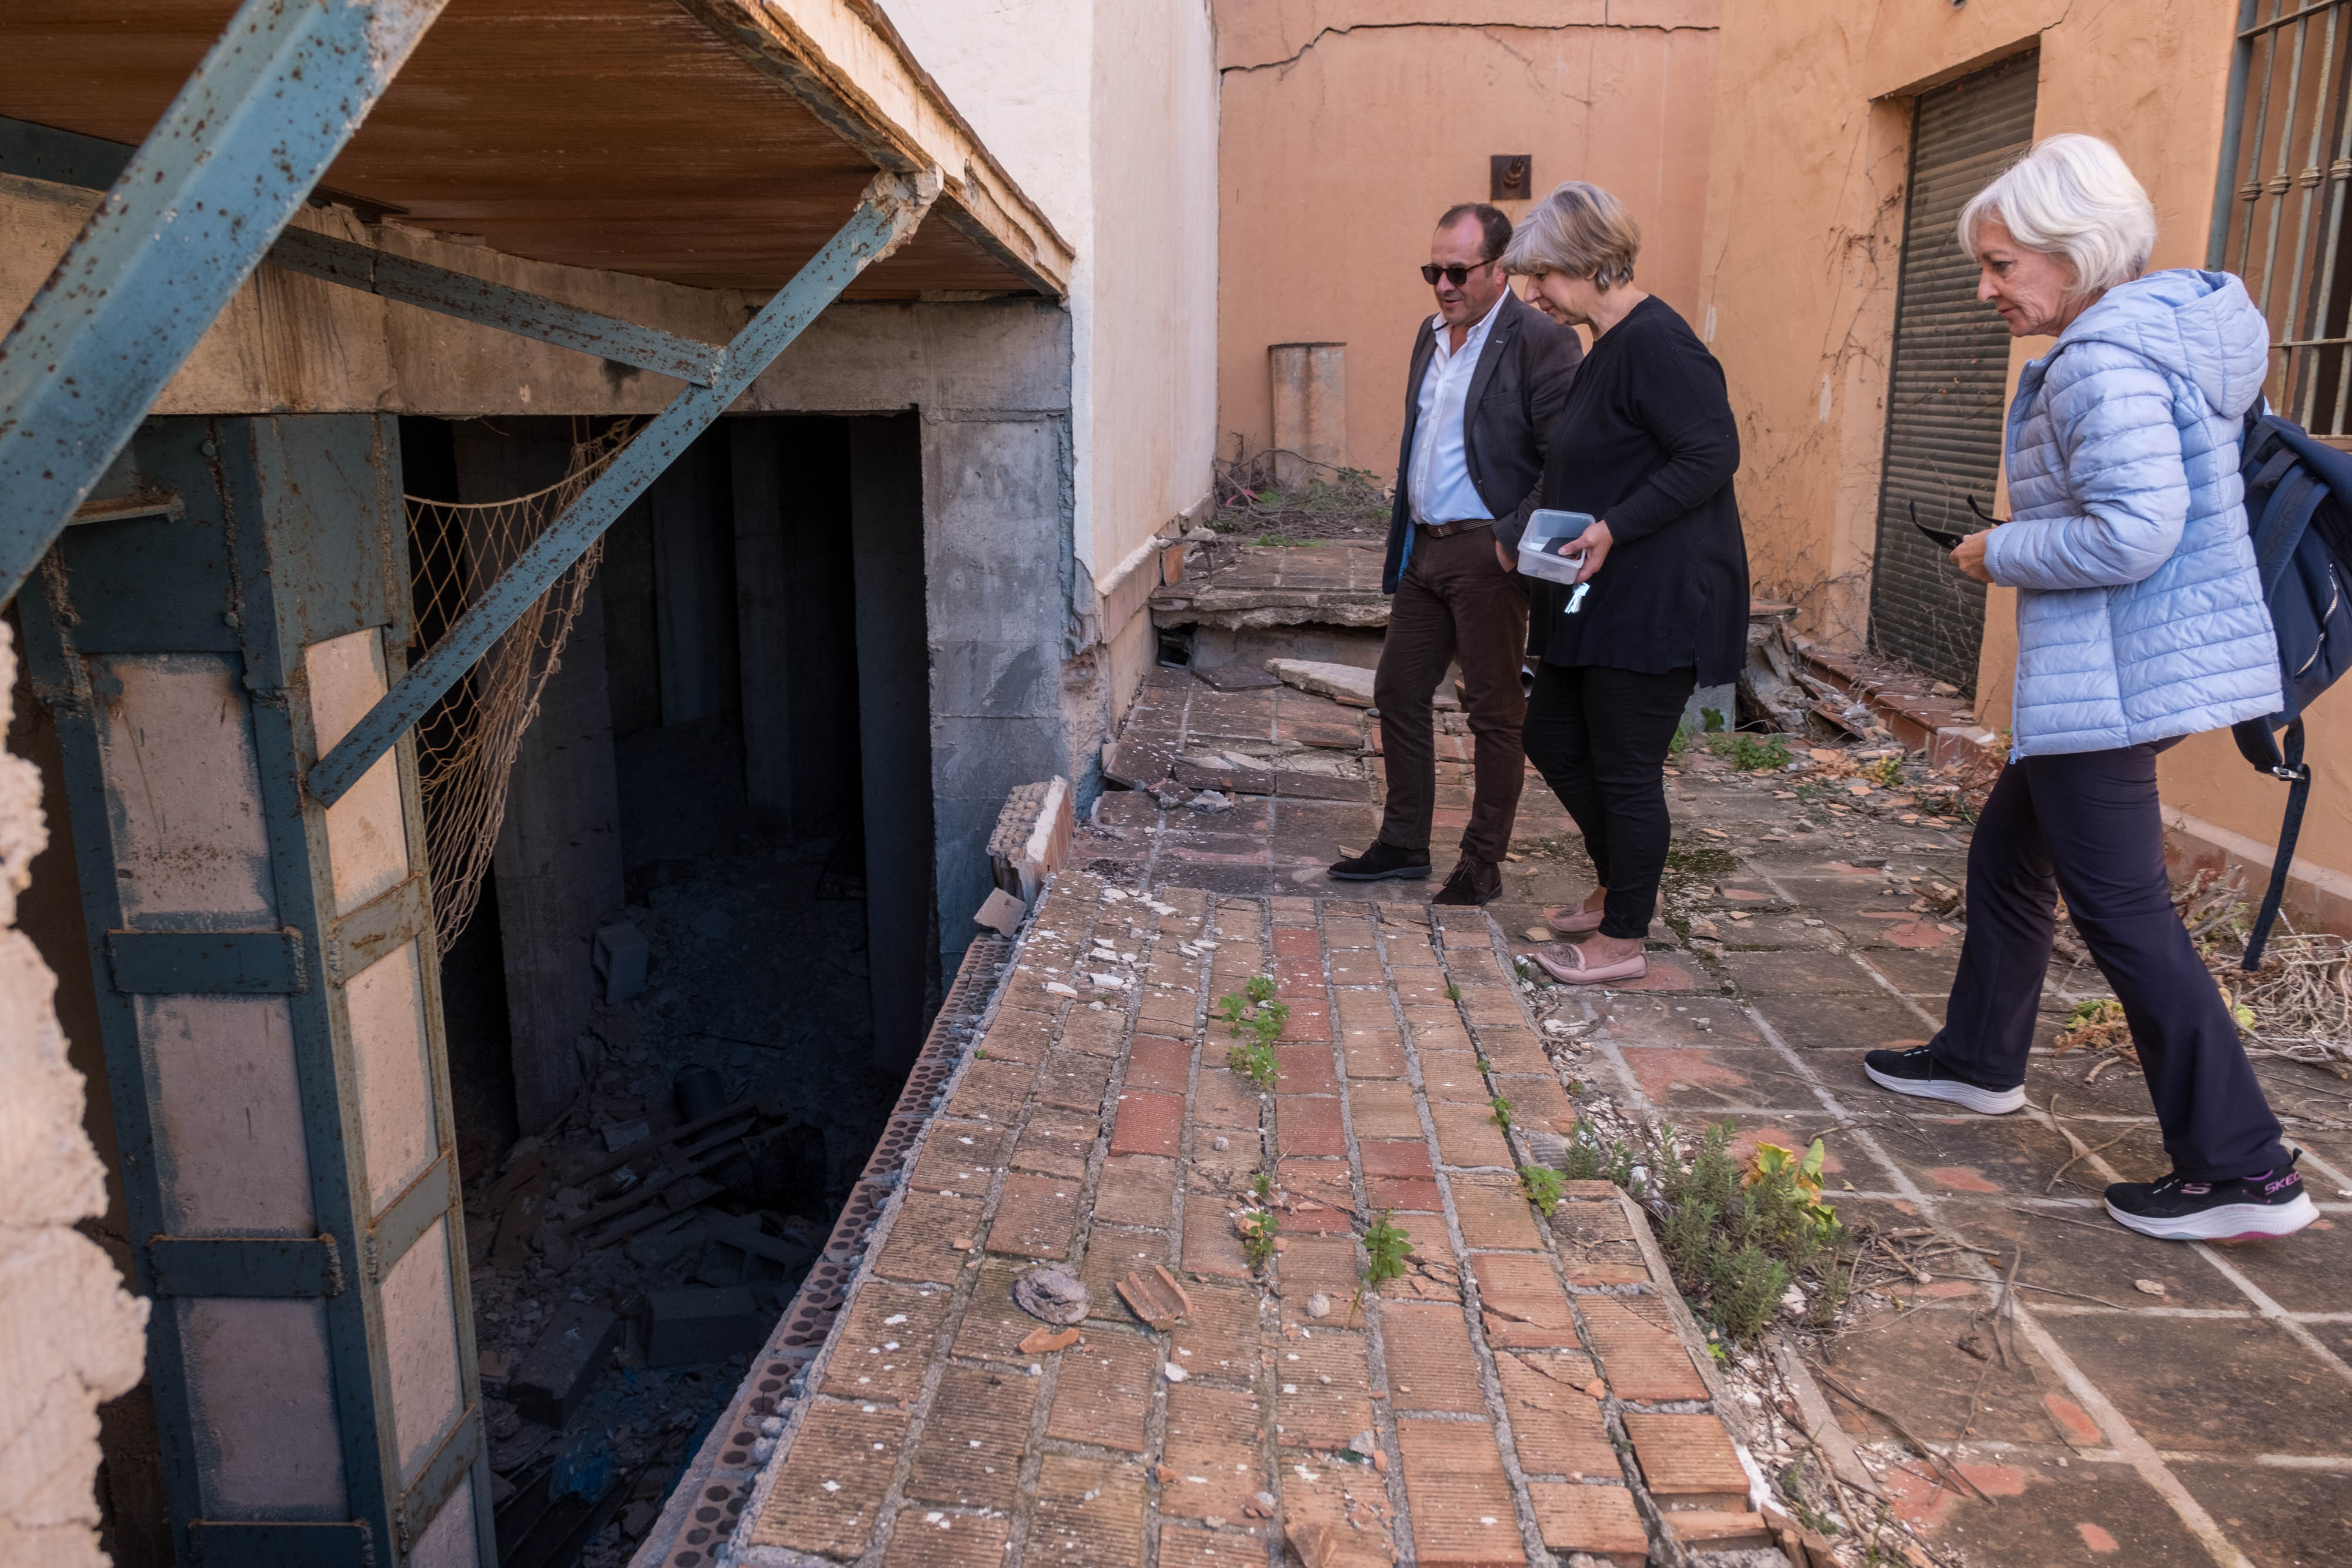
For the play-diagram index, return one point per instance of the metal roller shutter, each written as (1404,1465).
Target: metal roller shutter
(1950,368)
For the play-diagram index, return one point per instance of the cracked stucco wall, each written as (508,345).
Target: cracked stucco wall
(1347,126)
(1805,227)
(70,1335)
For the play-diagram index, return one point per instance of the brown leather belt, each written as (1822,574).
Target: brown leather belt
(1447,530)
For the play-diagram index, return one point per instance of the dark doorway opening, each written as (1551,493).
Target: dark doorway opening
(727,793)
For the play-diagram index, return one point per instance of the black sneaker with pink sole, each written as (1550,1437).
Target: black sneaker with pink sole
(2246,1209)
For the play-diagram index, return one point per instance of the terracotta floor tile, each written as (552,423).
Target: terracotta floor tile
(1643,1359)
(1148,1124)
(1308,1126)
(1394,1156)
(882,1350)
(1136,1189)
(1557,1424)
(1212,1245)
(1056,1143)
(1494,1216)
(953,1540)
(1089,1514)
(1321,1400)
(962,1157)
(1687,1460)
(1383,1109)
(1431,1364)
(1037,1217)
(836,1445)
(1467,1136)
(1157,1063)
(970,1452)
(1599,1520)
(1221,1338)
(1213,1446)
(1523,1302)
(1102,1391)
(1373,1053)
(1463,1513)
(919,1247)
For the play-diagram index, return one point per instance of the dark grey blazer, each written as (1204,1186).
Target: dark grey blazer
(1519,385)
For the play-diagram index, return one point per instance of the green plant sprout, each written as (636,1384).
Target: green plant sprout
(1385,1245)
(1502,1116)
(1258,1228)
(1256,1021)
(1748,754)
(1543,1187)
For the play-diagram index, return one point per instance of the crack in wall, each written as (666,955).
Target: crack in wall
(1301,52)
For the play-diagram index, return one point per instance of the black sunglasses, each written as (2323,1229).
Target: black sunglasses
(1456,276)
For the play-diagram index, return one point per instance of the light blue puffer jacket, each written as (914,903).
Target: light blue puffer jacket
(2140,616)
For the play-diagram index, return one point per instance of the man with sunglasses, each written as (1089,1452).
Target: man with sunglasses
(1489,373)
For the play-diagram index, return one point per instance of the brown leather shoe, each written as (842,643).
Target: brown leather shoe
(1471,883)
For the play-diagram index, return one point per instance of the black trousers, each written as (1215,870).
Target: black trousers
(1599,736)
(2087,824)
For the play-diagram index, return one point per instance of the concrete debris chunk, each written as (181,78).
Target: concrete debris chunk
(1001,913)
(1341,682)
(1054,1294)
(563,1364)
(687,1326)
(619,1135)
(622,956)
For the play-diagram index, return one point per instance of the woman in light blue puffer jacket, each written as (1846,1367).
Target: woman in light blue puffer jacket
(2139,620)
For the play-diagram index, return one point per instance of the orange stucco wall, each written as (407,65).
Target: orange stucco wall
(1347,126)
(1804,222)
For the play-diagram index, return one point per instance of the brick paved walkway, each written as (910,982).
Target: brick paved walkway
(1493,1385)
(2206,1426)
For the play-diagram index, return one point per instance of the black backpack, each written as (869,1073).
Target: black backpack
(2299,513)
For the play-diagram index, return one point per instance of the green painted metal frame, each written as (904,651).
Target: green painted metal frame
(252,562)
(274,101)
(887,213)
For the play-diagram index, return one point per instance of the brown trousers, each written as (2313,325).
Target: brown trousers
(1456,601)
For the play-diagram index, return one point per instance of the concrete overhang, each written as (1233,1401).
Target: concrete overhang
(715,143)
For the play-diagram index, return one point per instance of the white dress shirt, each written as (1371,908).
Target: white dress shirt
(1438,483)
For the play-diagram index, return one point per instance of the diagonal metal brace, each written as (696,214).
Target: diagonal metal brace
(277,96)
(478,300)
(892,206)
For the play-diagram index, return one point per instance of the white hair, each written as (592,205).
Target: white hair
(2073,197)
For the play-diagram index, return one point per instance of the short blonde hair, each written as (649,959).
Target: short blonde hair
(2073,197)
(1580,230)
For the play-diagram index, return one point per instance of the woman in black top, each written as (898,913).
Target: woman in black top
(1646,445)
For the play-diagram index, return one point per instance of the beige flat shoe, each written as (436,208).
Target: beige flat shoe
(1564,962)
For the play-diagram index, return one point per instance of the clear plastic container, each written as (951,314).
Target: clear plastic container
(1539,546)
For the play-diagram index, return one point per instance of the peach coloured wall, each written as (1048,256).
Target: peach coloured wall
(1804,219)
(1349,125)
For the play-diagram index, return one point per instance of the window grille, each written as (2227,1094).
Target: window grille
(2278,212)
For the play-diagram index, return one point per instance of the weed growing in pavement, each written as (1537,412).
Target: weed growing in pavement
(1256,1019)
(1748,754)
(1263,1185)
(1736,1239)
(1502,1116)
(1258,1228)
(1386,1245)
(1887,771)
(1452,993)
(1543,1187)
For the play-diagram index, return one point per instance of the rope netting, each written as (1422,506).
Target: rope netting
(466,746)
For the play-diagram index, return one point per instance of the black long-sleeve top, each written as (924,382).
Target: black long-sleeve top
(1647,444)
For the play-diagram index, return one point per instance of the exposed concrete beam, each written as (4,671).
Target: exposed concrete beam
(847,62)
